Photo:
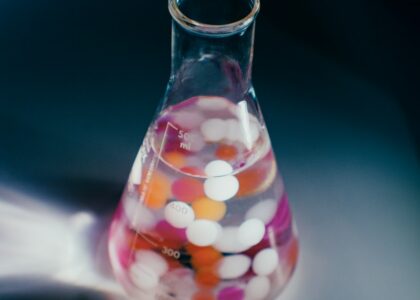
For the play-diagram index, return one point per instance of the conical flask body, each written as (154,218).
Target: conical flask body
(204,214)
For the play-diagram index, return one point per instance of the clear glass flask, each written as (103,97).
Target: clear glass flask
(204,214)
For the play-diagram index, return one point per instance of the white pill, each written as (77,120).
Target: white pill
(263,210)
(179,281)
(213,130)
(152,260)
(254,131)
(203,232)
(251,232)
(188,119)
(221,188)
(143,277)
(228,241)
(179,214)
(265,262)
(234,266)
(257,288)
(139,217)
(218,168)
(196,142)
(212,102)
(233,131)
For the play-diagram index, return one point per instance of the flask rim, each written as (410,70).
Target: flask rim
(212,29)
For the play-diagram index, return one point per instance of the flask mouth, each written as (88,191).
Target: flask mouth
(203,28)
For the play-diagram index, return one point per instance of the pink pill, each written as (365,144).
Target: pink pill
(168,232)
(187,189)
(231,293)
(282,216)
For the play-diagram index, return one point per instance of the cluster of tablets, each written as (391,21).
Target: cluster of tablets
(206,205)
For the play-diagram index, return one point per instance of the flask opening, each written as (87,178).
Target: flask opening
(214,17)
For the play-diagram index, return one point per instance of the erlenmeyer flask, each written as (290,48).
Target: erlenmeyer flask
(204,214)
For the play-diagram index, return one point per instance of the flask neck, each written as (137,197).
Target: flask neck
(212,59)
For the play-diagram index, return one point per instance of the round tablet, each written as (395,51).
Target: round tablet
(180,281)
(175,159)
(143,277)
(207,277)
(228,241)
(263,210)
(169,235)
(213,130)
(188,119)
(205,257)
(234,266)
(203,295)
(265,262)
(231,293)
(139,217)
(251,232)
(208,209)
(196,142)
(203,232)
(187,189)
(257,288)
(257,179)
(152,260)
(212,102)
(156,190)
(232,130)
(179,214)
(221,188)
(218,168)
(226,152)
(254,131)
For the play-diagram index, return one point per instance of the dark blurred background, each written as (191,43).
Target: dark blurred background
(339,86)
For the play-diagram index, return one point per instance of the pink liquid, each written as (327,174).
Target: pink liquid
(254,250)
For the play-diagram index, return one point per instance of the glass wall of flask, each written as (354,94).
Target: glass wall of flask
(204,214)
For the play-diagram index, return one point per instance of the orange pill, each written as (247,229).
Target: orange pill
(175,159)
(256,179)
(203,295)
(293,253)
(207,277)
(187,189)
(156,190)
(191,248)
(205,257)
(226,152)
(196,171)
(136,242)
(205,208)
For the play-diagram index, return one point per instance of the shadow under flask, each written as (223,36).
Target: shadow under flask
(204,214)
